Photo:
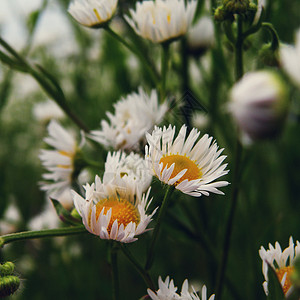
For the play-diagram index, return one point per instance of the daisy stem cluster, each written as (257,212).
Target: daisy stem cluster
(37,234)
(161,214)
(236,168)
(43,77)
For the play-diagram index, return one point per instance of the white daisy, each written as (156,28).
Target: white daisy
(131,168)
(259,104)
(113,211)
(167,291)
(134,116)
(282,262)
(201,36)
(290,59)
(92,13)
(192,167)
(59,162)
(162,20)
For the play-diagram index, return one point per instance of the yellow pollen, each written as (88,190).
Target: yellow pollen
(182,162)
(66,153)
(280,273)
(97,15)
(169,18)
(122,210)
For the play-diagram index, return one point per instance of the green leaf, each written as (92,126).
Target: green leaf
(64,214)
(274,286)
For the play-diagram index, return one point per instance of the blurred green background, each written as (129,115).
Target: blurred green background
(94,72)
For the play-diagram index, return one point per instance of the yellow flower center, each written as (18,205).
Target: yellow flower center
(121,210)
(182,162)
(280,273)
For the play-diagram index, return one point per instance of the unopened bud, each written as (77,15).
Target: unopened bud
(267,56)
(8,282)
(236,6)
(259,105)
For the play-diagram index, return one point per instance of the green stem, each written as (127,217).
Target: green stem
(162,212)
(273,32)
(164,69)
(115,272)
(236,171)
(239,70)
(37,234)
(144,274)
(140,55)
(47,83)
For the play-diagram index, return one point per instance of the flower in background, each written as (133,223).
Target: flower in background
(59,162)
(281,262)
(92,13)
(201,35)
(113,211)
(192,167)
(10,219)
(162,20)
(259,105)
(47,110)
(130,168)
(167,290)
(134,116)
(290,59)
(200,120)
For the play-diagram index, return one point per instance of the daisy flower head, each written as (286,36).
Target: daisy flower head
(191,165)
(130,167)
(167,291)
(60,161)
(134,115)
(282,262)
(162,20)
(258,104)
(113,211)
(92,13)
(290,59)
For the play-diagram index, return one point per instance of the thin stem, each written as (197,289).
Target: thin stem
(146,63)
(144,274)
(37,234)
(239,50)
(115,272)
(162,212)
(236,171)
(273,32)
(47,83)
(164,68)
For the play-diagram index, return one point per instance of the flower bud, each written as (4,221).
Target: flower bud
(8,282)
(236,6)
(259,105)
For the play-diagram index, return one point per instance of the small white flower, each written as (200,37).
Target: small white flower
(200,120)
(162,20)
(167,291)
(290,59)
(259,104)
(131,168)
(191,165)
(59,162)
(92,13)
(282,262)
(47,110)
(113,211)
(134,116)
(201,35)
